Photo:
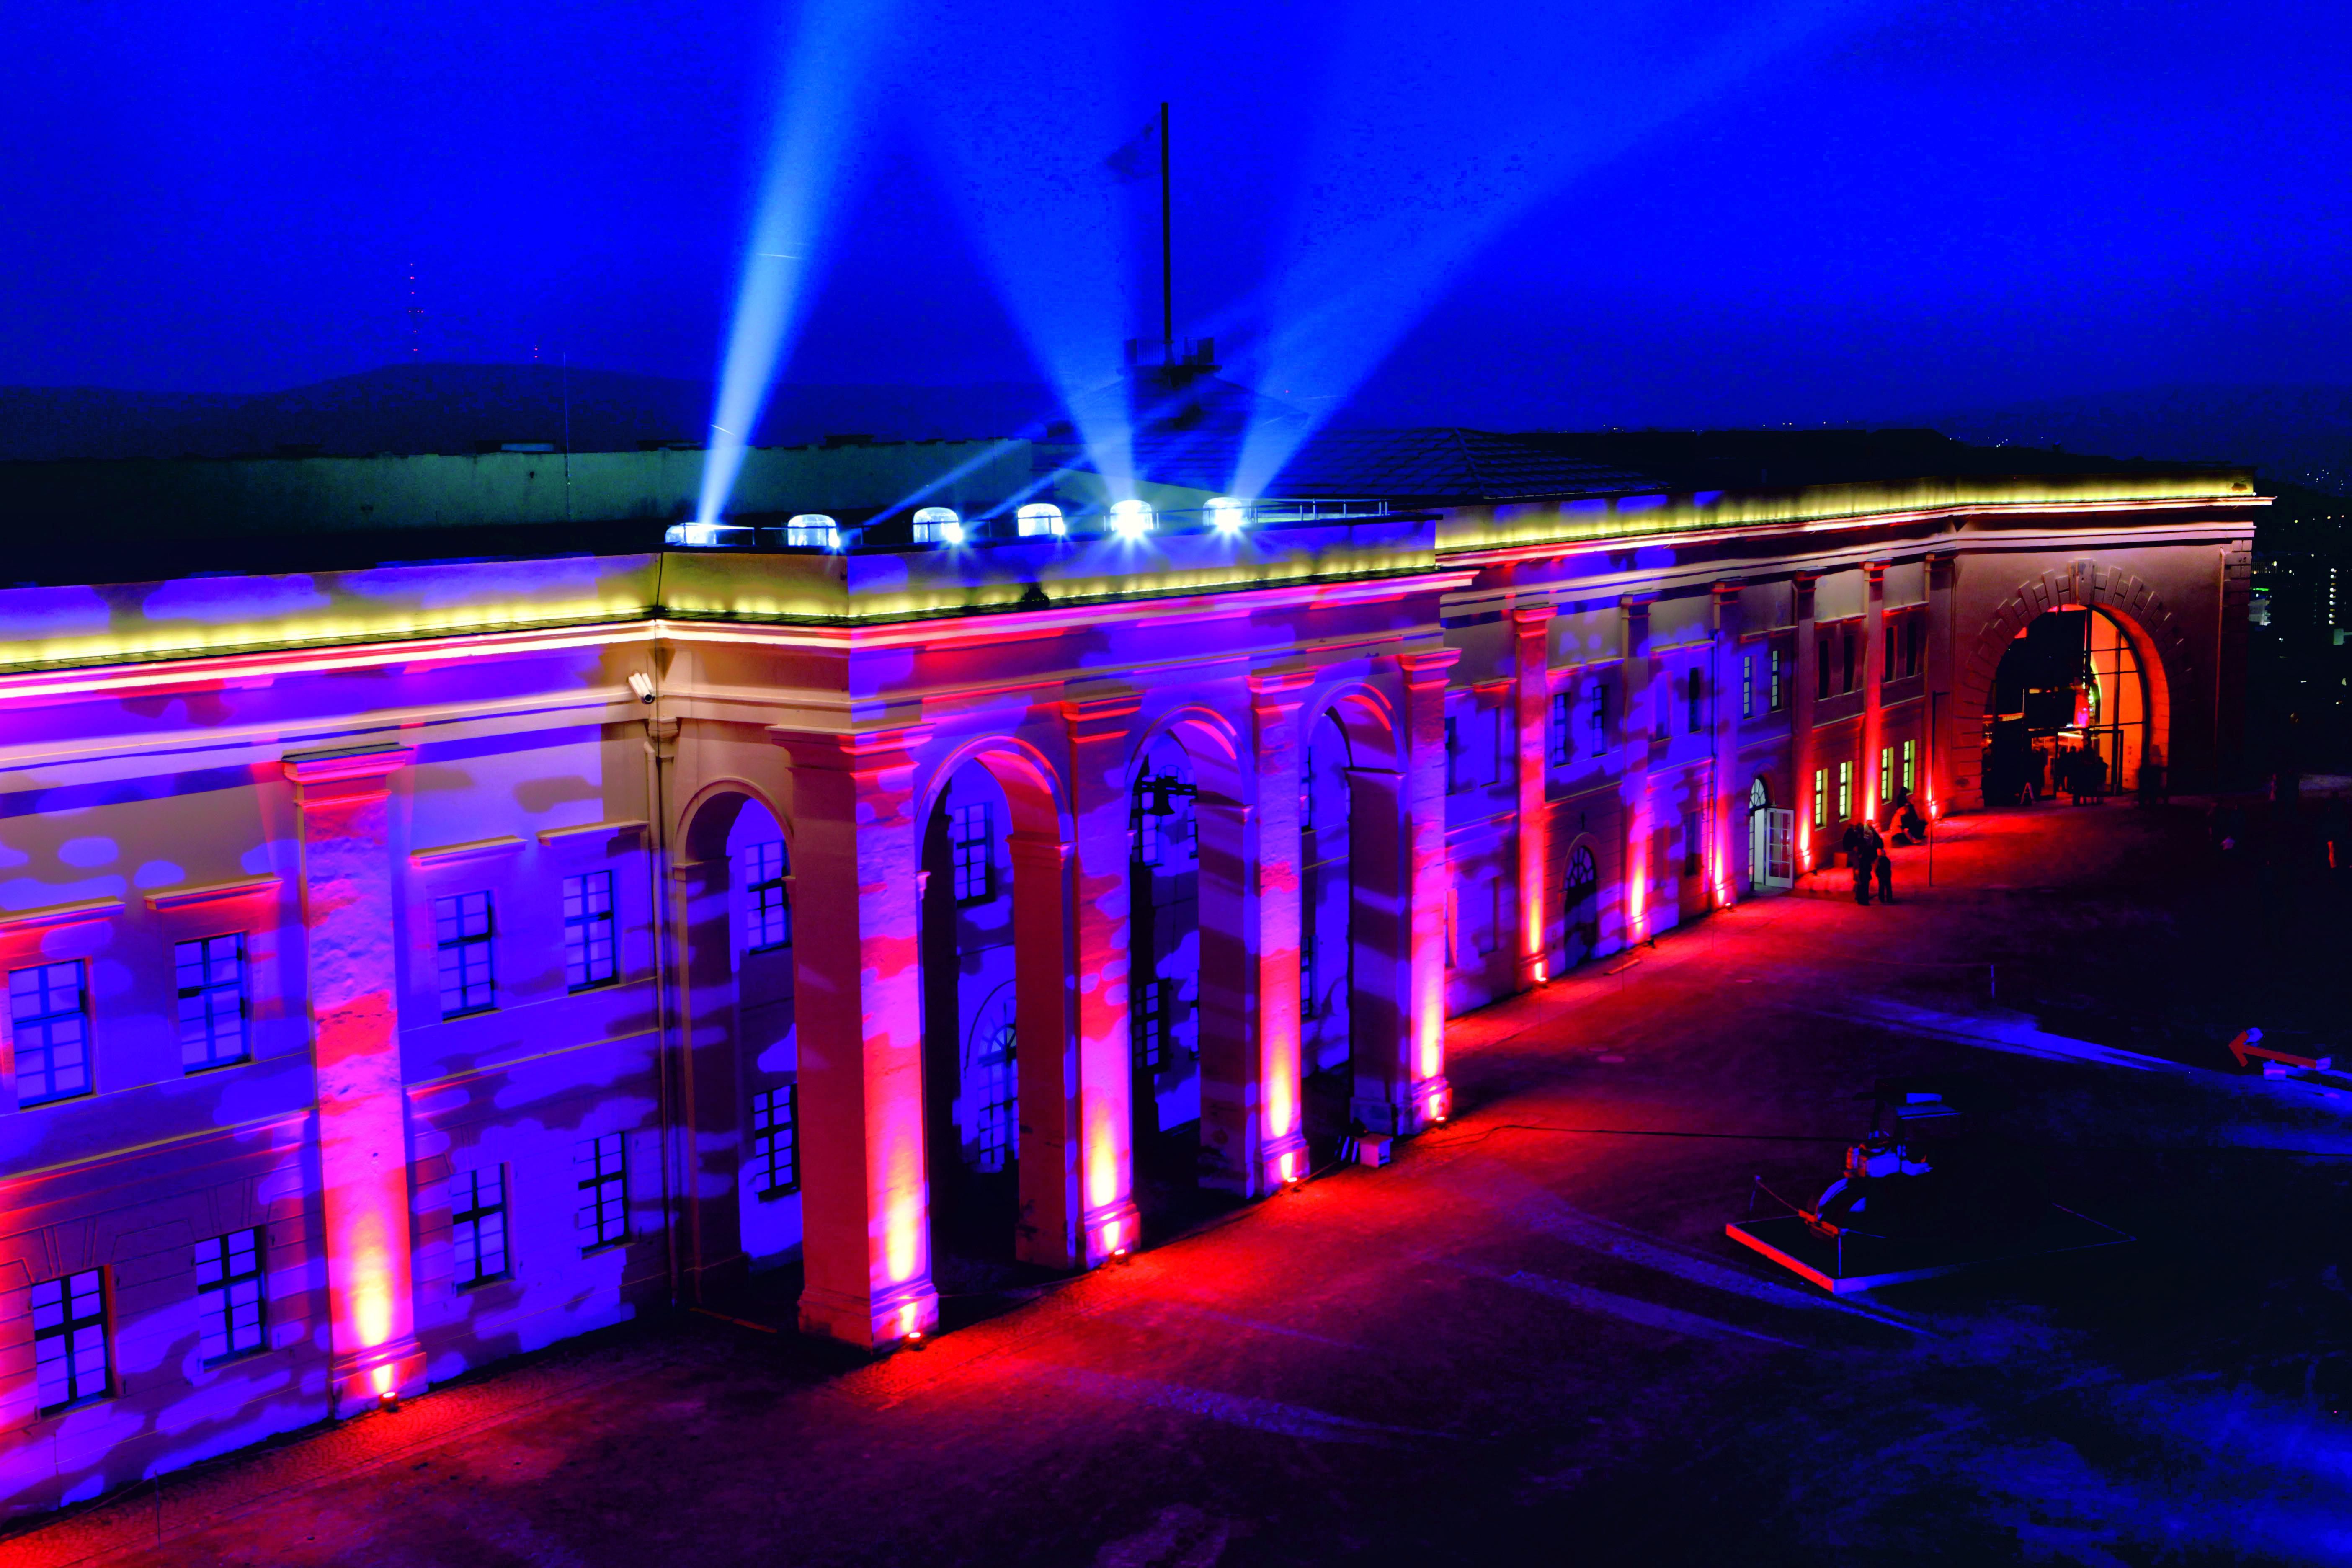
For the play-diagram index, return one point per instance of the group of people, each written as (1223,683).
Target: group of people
(1868,854)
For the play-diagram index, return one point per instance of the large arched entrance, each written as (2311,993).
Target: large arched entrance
(2071,707)
(999,1106)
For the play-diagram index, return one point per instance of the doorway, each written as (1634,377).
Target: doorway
(2069,710)
(1164,978)
(1772,842)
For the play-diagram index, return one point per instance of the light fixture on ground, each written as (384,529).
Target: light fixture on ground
(938,525)
(1130,518)
(1227,515)
(1041,518)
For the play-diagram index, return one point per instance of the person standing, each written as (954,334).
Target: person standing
(1856,843)
(1882,860)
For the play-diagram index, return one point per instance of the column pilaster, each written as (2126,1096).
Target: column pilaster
(1943,774)
(1725,878)
(1401,1083)
(864,1202)
(1532,664)
(352,967)
(1873,680)
(1253,1123)
(1098,725)
(1637,727)
(1800,720)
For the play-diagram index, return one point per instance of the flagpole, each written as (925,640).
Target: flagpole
(1167,253)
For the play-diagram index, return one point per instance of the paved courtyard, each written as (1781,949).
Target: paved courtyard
(1529,1341)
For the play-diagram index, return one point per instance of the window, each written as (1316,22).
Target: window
(477,1228)
(461,930)
(1885,772)
(1845,792)
(211,1001)
(1487,917)
(1695,698)
(230,1302)
(1599,713)
(1910,766)
(974,852)
(591,957)
(1453,769)
(1822,667)
(1691,844)
(767,896)
(47,1007)
(1852,657)
(1782,657)
(1563,736)
(1914,642)
(1747,685)
(1820,797)
(70,1341)
(775,1141)
(604,1215)
(1150,1023)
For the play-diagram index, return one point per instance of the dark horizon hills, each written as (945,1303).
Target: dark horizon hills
(2297,434)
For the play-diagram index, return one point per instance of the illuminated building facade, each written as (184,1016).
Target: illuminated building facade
(413,964)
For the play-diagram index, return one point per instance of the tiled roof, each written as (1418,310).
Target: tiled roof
(1427,465)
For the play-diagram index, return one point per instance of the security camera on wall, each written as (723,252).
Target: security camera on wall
(642,684)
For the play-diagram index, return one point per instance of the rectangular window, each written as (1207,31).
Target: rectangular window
(975,850)
(1487,917)
(1453,769)
(1691,844)
(71,1364)
(1914,640)
(1820,797)
(1782,657)
(1891,669)
(1853,659)
(461,931)
(1695,698)
(1598,713)
(1150,1023)
(1747,685)
(48,1016)
(1885,772)
(211,973)
(1910,766)
(1563,736)
(477,1228)
(591,955)
(1845,792)
(1824,667)
(230,1300)
(775,1140)
(603,1214)
(767,896)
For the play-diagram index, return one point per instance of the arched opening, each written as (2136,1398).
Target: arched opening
(740,1087)
(1580,905)
(998,1115)
(2070,710)
(1327,974)
(768,1179)
(1164,976)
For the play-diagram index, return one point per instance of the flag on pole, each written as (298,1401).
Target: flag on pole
(1138,158)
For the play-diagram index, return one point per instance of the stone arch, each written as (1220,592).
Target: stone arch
(2162,649)
(700,827)
(1048,1160)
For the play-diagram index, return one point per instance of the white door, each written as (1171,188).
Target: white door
(1779,847)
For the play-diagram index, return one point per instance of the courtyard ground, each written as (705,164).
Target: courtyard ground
(1529,1341)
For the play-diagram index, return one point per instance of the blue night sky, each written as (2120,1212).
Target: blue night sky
(1510,214)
